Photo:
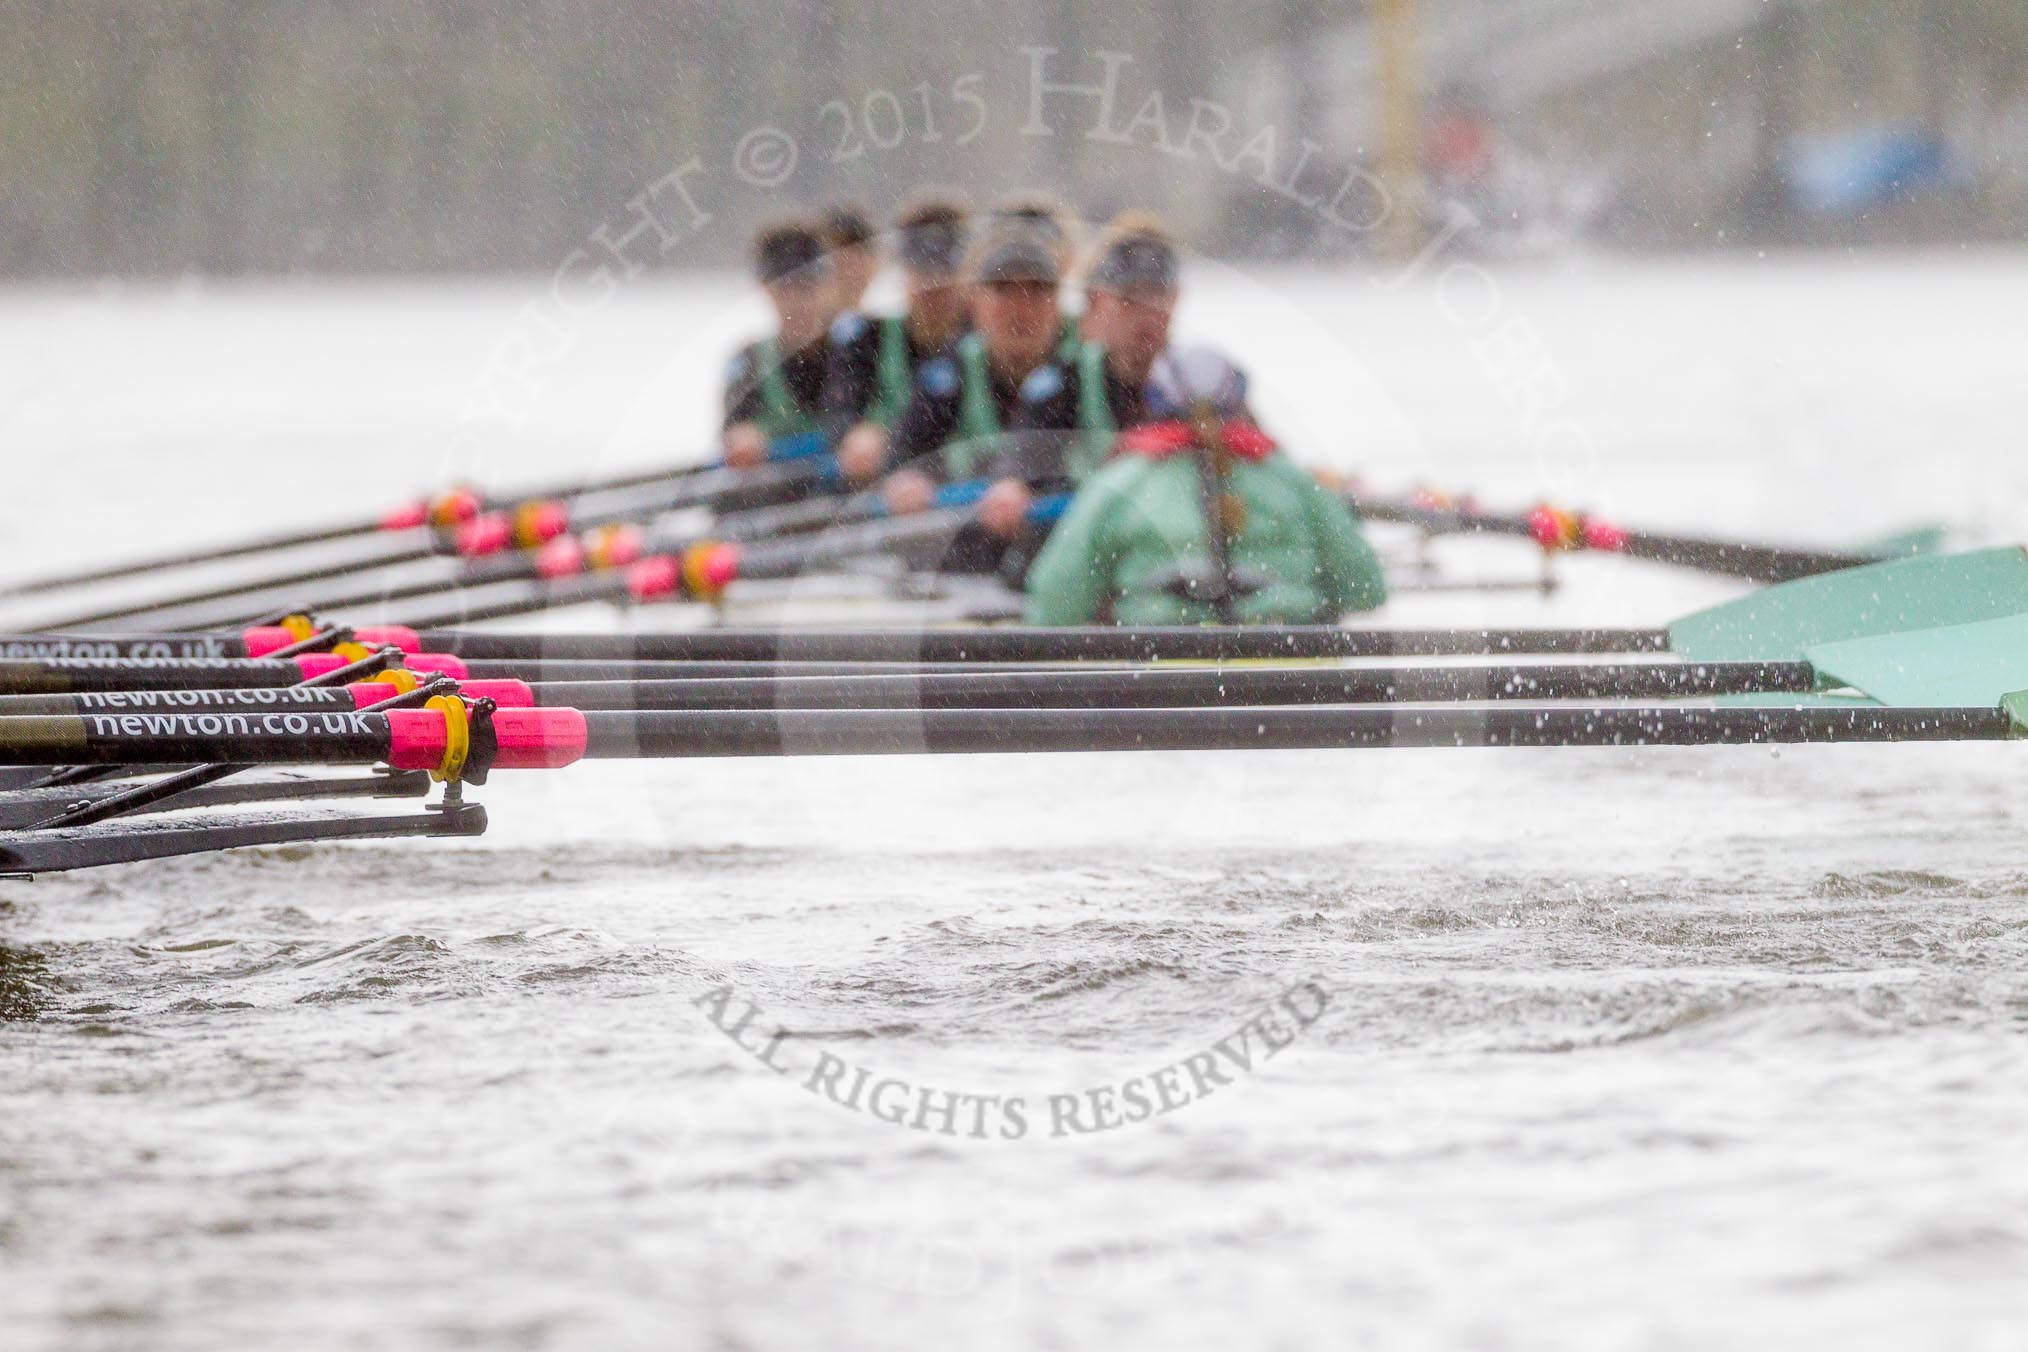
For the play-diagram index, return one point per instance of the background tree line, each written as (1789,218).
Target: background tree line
(153,137)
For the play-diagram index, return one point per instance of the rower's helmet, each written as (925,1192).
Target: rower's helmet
(1185,379)
(930,237)
(790,251)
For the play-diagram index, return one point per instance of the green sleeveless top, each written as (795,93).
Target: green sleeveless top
(1096,430)
(975,439)
(893,374)
(781,414)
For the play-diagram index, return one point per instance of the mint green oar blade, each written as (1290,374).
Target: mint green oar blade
(1904,544)
(1780,623)
(1964,666)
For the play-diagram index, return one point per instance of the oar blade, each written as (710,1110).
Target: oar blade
(1961,666)
(1905,544)
(1782,622)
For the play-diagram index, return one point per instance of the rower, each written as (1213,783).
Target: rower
(874,360)
(1053,222)
(1072,408)
(855,261)
(1198,519)
(965,395)
(1044,214)
(774,387)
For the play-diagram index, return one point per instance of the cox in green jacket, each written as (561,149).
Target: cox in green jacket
(1138,524)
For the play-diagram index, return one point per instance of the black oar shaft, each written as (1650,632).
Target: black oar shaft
(1147,688)
(922,537)
(1030,645)
(720,489)
(411,551)
(1756,563)
(756,506)
(1730,558)
(142,797)
(473,573)
(568,591)
(267,544)
(868,686)
(787,549)
(862,732)
(566,669)
(282,738)
(24,807)
(545,737)
(102,647)
(257,699)
(93,675)
(647,479)
(72,677)
(180,645)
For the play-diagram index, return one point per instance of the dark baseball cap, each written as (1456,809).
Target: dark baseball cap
(933,246)
(1137,264)
(1034,215)
(1017,256)
(846,226)
(791,252)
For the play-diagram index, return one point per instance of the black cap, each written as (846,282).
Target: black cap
(1018,256)
(1032,216)
(933,246)
(790,253)
(846,226)
(1134,263)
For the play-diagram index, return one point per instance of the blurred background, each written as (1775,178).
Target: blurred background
(279,137)
(1683,261)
